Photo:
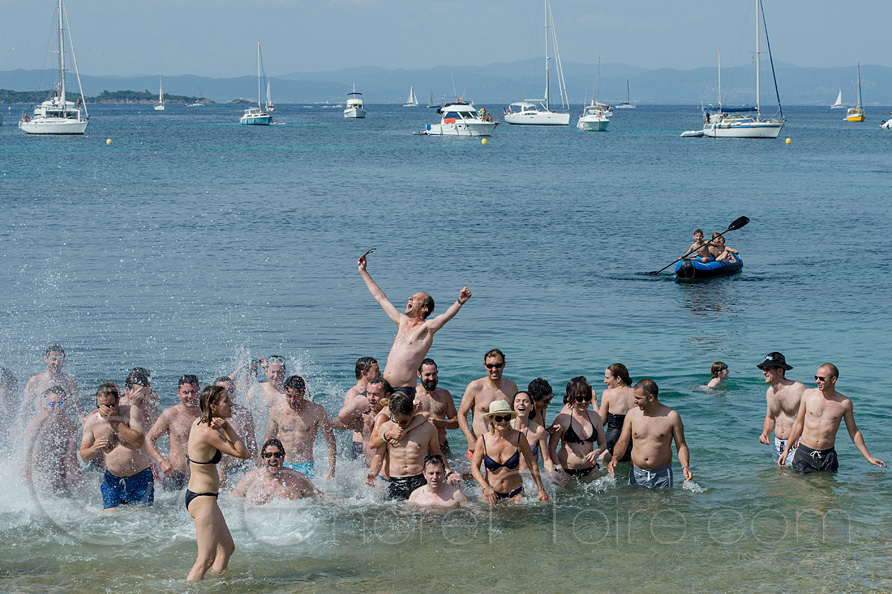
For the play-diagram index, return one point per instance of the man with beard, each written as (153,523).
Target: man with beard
(273,480)
(437,402)
(296,422)
(482,392)
(415,334)
(176,422)
(116,431)
(54,357)
(51,439)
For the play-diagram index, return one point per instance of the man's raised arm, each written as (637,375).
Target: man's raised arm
(440,321)
(377,293)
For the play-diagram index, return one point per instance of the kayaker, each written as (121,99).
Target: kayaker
(718,250)
(700,247)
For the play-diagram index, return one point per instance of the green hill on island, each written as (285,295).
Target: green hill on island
(7,96)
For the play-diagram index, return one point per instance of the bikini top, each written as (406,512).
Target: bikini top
(215,459)
(512,463)
(526,432)
(570,435)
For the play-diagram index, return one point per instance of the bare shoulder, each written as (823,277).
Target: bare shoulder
(474,387)
(509,386)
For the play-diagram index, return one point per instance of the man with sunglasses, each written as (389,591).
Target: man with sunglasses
(415,334)
(783,396)
(273,480)
(51,438)
(820,413)
(482,392)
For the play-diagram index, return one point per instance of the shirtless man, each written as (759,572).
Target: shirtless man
(116,431)
(295,423)
(366,369)
(361,412)
(480,393)
(272,480)
(783,397)
(437,402)
(54,357)
(699,247)
(243,422)
(404,451)
(138,392)
(616,401)
(272,391)
(51,439)
(651,427)
(415,334)
(820,413)
(176,422)
(437,492)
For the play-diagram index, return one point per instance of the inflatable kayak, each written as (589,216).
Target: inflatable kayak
(693,269)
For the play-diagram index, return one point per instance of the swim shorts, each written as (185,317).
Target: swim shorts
(407,390)
(304,467)
(779,445)
(661,478)
(808,460)
(138,489)
(174,482)
(401,487)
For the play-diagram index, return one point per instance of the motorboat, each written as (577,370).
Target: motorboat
(856,114)
(355,107)
(886,124)
(593,119)
(58,115)
(257,116)
(461,119)
(538,112)
(160,105)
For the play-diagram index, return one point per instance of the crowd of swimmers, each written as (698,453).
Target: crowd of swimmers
(398,420)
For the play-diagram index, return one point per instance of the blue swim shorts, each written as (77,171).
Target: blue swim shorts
(138,489)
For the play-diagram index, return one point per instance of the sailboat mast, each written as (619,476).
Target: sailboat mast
(859,84)
(758,60)
(258,76)
(720,79)
(547,59)
(61,57)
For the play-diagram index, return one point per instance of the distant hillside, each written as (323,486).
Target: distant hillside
(34,97)
(504,83)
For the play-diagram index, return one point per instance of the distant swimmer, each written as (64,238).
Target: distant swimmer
(51,442)
(437,492)
(54,357)
(116,431)
(296,422)
(820,413)
(272,391)
(719,372)
(415,334)
(651,427)
(273,480)
(616,401)
(699,248)
(436,401)
(480,394)
(210,437)
(783,396)
(175,423)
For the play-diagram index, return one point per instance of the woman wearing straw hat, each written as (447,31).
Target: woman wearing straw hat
(500,451)
(580,434)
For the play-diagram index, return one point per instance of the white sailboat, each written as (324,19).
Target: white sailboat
(270,106)
(625,104)
(856,114)
(355,107)
(160,105)
(412,101)
(838,104)
(257,116)
(198,103)
(432,104)
(538,111)
(740,122)
(59,115)
(595,117)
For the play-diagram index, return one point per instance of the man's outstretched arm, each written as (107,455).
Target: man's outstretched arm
(378,294)
(440,321)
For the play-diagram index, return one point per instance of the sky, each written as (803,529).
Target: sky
(218,38)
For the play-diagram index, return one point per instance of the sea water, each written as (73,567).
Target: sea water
(191,242)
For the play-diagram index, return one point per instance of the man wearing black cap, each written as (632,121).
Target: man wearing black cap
(783,397)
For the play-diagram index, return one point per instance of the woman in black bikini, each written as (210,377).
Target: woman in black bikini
(580,433)
(210,437)
(500,450)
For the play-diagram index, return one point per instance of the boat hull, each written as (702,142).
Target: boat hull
(539,118)
(159,108)
(592,125)
(53,126)
(749,130)
(461,129)
(261,120)
(694,270)
(354,112)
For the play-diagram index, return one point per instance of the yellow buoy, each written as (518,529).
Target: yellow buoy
(789,141)
(108,141)
(483,141)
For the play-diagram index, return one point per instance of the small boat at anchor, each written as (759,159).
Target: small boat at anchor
(461,119)
(692,269)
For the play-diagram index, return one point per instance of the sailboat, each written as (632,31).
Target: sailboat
(412,101)
(838,104)
(625,104)
(432,104)
(739,122)
(160,105)
(257,116)
(538,111)
(59,115)
(595,117)
(200,101)
(856,114)
(270,106)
